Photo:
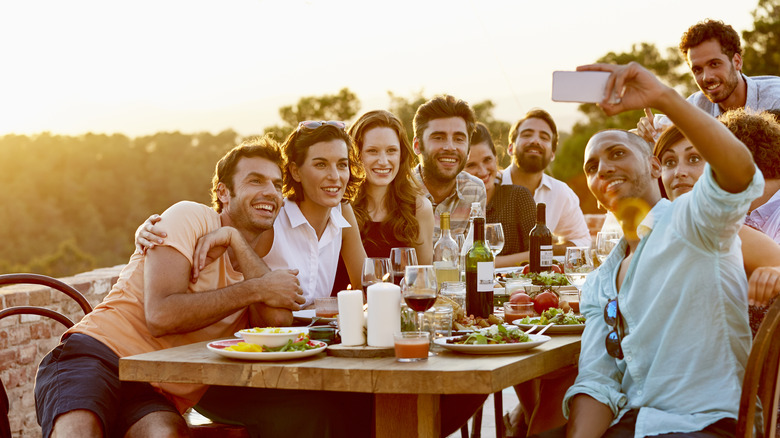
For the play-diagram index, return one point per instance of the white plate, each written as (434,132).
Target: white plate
(219,348)
(508,270)
(558,328)
(301,329)
(308,314)
(535,341)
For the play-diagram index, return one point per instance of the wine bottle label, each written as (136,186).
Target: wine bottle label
(545,255)
(485,276)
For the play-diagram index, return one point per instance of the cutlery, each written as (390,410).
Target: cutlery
(545,328)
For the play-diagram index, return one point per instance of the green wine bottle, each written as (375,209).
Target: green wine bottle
(479,274)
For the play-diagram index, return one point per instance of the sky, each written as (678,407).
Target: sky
(141,67)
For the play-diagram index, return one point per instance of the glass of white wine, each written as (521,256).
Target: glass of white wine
(494,234)
(577,265)
(605,241)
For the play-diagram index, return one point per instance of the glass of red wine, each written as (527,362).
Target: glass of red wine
(419,290)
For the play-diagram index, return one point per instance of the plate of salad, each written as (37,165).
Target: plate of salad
(496,339)
(563,322)
(238,349)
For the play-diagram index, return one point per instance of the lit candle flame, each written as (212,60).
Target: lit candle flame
(349,286)
(386,278)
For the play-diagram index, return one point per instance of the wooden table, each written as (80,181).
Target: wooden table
(406,395)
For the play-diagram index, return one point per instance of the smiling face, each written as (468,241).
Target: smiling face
(617,169)
(444,147)
(256,197)
(532,150)
(381,155)
(716,74)
(482,163)
(681,167)
(324,173)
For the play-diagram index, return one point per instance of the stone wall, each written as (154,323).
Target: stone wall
(25,339)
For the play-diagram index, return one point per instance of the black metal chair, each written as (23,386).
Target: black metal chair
(8,279)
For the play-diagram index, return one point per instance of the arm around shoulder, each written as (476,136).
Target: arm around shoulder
(425,221)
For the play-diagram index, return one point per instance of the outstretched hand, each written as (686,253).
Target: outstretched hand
(629,87)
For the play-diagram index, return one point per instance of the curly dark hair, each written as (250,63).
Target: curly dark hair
(761,134)
(709,30)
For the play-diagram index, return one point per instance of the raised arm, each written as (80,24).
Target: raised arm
(631,87)
(424,247)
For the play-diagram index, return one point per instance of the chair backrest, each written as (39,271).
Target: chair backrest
(761,377)
(7,279)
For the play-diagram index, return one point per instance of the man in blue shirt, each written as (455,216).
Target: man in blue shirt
(667,337)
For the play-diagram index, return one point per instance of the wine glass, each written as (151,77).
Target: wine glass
(577,264)
(419,290)
(605,241)
(494,235)
(400,258)
(375,270)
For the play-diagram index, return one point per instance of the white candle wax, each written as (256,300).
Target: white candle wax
(351,318)
(384,313)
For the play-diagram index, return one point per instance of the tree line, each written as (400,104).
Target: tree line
(72,203)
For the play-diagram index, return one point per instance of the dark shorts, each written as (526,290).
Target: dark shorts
(83,373)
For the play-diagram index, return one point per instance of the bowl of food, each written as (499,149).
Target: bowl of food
(271,337)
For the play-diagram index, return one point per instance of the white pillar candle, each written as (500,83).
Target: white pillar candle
(384,314)
(351,318)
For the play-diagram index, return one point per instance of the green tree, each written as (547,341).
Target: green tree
(762,43)
(343,105)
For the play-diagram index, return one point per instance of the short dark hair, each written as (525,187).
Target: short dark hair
(263,147)
(442,107)
(711,30)
(482,135)
(297,146)
(670,136)
(761,134)
(536,113)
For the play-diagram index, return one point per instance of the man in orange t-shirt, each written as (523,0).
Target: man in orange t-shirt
(205,282)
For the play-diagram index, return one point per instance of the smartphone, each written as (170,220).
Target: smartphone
(579,86)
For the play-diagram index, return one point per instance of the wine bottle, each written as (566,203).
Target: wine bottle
(445,254)
(541,250)
(476,211)
(479,274)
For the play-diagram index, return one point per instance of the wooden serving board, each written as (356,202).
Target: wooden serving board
(359,351)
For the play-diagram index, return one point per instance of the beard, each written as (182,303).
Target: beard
(729,85)
(532,163)
(433,171)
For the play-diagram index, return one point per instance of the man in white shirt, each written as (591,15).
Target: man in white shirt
(532,143)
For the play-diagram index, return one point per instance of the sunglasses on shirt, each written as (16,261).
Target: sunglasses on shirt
(614,319)
(314,124)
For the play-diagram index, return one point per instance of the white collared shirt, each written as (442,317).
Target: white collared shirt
(296,247)
(564,216)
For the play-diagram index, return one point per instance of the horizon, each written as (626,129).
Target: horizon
(198,66)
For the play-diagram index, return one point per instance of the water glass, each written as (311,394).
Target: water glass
(456,291)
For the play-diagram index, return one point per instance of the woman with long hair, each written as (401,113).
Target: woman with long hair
(389,207)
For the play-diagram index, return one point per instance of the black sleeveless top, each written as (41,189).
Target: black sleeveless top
(378,240)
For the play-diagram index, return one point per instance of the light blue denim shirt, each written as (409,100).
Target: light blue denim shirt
(684,306)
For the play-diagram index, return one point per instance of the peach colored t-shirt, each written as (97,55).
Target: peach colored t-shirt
(119,321)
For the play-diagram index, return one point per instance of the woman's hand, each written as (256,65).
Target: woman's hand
(147,235)
(210,247)
(764,284)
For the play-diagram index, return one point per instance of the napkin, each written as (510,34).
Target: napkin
(351,318)
(384,314)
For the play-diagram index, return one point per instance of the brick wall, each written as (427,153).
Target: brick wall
(25,339)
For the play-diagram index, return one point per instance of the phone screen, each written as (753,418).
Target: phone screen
(579,86)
